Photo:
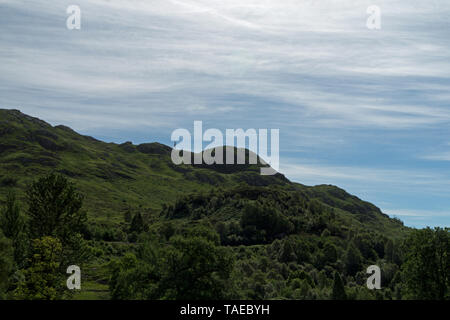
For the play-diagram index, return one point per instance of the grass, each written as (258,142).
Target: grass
(116,178)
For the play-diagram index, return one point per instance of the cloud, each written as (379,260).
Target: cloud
(419,197)
(348,101)
(416,213)
(420,218)
(318,58)
(311,173)
(445,156)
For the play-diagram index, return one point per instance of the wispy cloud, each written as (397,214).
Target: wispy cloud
(309,55)
(423,193)
(445,156)
(309,173)
(341,95)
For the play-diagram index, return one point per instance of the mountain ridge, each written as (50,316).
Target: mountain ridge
(115,177)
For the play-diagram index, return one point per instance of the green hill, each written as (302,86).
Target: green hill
(246,209)
(112,176)
(115,177)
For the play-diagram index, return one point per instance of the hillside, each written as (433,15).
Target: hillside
(115,177)
(120,181)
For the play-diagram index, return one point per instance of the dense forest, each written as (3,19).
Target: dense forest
(141,228)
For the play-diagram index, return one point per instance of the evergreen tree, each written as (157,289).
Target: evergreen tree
(338,288)
(389,251)
(6,263)
(55,211)
(330,253)
(13,225)
(353,260)
(287,251)
(11,222)
(54,208)
(137,224)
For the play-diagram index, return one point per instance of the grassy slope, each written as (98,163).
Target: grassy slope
(115,178)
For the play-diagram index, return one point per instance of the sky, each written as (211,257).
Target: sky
(365,109)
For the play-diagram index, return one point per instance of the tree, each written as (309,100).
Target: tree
(6,263)
(13,225)
(127,216)
(54,208)
(55,211)
(427,265)
(137,224)
(193,266)
(42,281)
(353,260)
(389,250)
(196,268)
(167,229)
(287,253)
(11,222)
(338,288)
(330,253)
(134,279)
(262,223)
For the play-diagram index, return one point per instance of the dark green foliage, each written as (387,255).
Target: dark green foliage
(151,226)
(13,225)
(389,251)
(11,222)
(353,260)
(48,241)
(128,216)
(287,253)
(6,264)
(330,253)
(133,279)
(54,208)
(137,223)
(427,265)
(338,288)
(196,269)
(262,224)
(371,246)
(189,267)
(8,182)
(167,230)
